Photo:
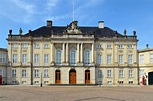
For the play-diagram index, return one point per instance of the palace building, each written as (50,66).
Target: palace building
(72,54)
(146,66)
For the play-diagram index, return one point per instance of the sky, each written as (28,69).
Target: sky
(132,15)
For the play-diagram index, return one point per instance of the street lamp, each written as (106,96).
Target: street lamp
(41,81)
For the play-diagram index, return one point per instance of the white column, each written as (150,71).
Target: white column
(63,53)
(78,53)
(81,53)
(92,58)
(67,55)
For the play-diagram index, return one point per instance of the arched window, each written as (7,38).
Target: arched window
(87,57)
(72,57)
(58,57)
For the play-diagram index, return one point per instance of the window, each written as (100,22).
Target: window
(24,45)
(120,59)
(2,58)
(23,82)
(121,82)
(46,45)
(58,57)
(108,46)
(130,59)
(109,82)
(45,73)
(141,59)
(36,82)
(36,73)
(151,58)
(36,58)
(3,72)
(100,74)
(14,73)
(99,46)
(99,59)
(129,46)
(37,46)
(14,59)
(130,82)
(72,57)
(13,82)
(121,73)
(24,58)
(120,46)
(46,57)
(46,82)
(24,73)
(130,73)
(87,57)
(14,45)
(109,73)
(109,59)
(141,73)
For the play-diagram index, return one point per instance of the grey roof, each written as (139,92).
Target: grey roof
(98,32)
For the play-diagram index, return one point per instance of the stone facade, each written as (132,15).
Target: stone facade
(73,55)
(146,65)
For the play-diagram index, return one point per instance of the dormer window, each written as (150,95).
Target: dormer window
(15,45)
(109,46)
(129,46)
(120,46)
(46,45)
(37,46)
(24,45)
(99,46)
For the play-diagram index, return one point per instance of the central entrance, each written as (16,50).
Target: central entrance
(150,78)
(57,76)
(87,76)
(72,76)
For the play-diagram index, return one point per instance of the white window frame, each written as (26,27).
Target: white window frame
(36,58)
(109,59)
(46,58)
(24,58)
(109,73)
(46,45)
(151,58)
(121,73)
(14,45)
(120,59)
(2,58)
(99,59)
(129,46)
(3,72)
(109,46)
(58,57)
(141,59)
(72,57)
(24,45)
(120,46)
(130,73)
(99,46)
(14,58)
(36,46)
(87,57)
(13,72)
(46,73)
(130,61)
(24,73)
(36,73)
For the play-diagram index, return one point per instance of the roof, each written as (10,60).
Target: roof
(3,49)
(58,30)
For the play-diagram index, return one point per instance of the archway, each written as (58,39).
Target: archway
(150,78)
(72,76)
(87,76)
(57,76)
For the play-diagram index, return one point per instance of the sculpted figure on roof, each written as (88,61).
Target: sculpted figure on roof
(73,28)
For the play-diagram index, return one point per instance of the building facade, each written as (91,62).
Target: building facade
(3,66)
(73,54)
(146,66)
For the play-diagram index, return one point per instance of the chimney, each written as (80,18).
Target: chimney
(101,24)
(49,23)
(147,46)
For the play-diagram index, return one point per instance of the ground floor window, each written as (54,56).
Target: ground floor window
(130,82)
(121,82)
(23,82)
(46,82)
(36,82)
(109,82)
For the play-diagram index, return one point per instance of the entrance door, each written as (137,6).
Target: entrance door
(87,77)
(0,79)
(72,76)
(57,77)
(150,78)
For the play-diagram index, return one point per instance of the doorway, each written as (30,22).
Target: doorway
(57,76)
(72,76)
(150,78)
(87,76)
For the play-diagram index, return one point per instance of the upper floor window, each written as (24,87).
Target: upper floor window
(72,56)
(14,45)
(87,57)
(13,72)
(141,59)
(46,45)
(46,57)
(2,58)
(109,46)
(151,58)
(99,46)
(3,72)
(58,56)
(121,73)
(24,73)
(120,59)
(24,58)
(36,58)
(99,59)
(129,46)
(109,59)
(120,46)
(100,75)
(109,73)
(36,73)
(37,46)
(24,45)
(14,58)
(130,59)
(130,73)
(45,73)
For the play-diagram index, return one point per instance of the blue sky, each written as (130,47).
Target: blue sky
(132,15)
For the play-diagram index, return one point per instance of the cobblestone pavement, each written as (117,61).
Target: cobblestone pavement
(76,93)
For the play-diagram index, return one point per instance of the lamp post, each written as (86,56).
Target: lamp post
(41,81)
